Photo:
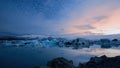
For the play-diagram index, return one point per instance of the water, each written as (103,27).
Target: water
(28,57)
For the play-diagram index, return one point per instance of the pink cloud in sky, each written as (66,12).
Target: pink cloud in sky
(101,19)
(109,25)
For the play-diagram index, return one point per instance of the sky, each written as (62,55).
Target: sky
(60,17)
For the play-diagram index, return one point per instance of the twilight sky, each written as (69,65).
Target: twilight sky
(60,17)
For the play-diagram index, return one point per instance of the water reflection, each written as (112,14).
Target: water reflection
(20,57)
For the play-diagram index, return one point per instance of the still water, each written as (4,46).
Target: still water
(28,57)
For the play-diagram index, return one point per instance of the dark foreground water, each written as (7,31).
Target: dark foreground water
(28,57)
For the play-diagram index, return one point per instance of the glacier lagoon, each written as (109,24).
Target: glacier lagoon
(28,56)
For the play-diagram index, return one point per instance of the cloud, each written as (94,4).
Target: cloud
(50,17)
(99,18)
(109,25)
(93,16)
(85,27)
